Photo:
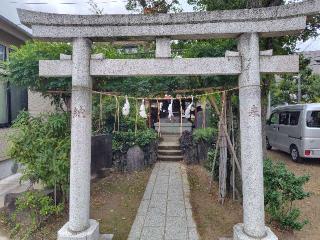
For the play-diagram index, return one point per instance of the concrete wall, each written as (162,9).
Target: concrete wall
(7,168)
(4,143)
(38,104)
(7,165)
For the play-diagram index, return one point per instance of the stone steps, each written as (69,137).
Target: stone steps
(169,152)
(168,138)
(169,148)
(170,158)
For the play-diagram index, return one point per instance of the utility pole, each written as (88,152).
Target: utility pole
(299,89)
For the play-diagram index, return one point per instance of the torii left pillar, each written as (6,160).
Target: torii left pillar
(80,227)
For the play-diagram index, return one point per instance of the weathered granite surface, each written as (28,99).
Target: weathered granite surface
(80,158)
(269,22)
(228,29)
(239,234)
(91,233)
(170,67)
(310,7)
(251,137)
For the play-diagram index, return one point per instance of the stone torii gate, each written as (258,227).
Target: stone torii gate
(248,25)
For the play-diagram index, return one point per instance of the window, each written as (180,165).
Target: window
(283,118)
(294,118)
(3,53)
(12,99)
(3,92)
(313,119)
(274,119)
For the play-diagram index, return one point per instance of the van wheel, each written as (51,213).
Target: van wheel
(295,154)
(268,144)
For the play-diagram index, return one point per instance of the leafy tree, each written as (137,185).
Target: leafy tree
(23,68)
(209,5)
(153,6)
(285,91)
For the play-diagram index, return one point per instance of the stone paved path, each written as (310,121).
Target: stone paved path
(165,211)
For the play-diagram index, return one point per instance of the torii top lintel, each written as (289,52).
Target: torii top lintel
(268,22)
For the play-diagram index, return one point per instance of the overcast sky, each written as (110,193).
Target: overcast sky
(8,10)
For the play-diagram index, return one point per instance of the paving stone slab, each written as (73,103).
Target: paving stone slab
(155,217)
(165,211)
(136,229)
(143,208)
(176,228)
(176,209)
(193,234)
(152,233)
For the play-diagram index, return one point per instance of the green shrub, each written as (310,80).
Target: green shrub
(32,209)
(122,141)
(204,134)
(208,164)
(282,189)
(42,145)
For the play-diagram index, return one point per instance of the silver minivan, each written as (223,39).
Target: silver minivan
(295,129)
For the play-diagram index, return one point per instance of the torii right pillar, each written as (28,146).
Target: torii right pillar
(253,226)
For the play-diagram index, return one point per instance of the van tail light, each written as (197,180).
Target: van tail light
(307,152)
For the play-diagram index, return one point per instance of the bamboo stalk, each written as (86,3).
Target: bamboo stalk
(214,160)
(230,146)
(223,152)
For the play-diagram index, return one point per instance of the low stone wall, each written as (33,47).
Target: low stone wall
(193,153)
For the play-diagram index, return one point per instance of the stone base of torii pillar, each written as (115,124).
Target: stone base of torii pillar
(239,234)
(91,233)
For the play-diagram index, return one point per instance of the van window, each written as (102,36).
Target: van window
(283,118)
(294,118)
(274,118)
(313,119)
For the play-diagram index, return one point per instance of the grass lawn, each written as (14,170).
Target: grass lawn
(114,203)
(215,220)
